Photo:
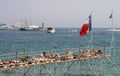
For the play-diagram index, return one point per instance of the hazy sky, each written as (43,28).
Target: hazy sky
(59,13)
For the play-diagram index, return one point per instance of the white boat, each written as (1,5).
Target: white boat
(51,30)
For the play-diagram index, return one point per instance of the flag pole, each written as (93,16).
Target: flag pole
(90,44)
(112,49)
(112,42)
(91,32)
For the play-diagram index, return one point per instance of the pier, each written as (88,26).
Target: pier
(69,62)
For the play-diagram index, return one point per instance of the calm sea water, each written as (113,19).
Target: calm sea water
(12,41)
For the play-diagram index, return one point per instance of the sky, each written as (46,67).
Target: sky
(60,13)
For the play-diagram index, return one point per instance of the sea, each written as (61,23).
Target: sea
(36,42)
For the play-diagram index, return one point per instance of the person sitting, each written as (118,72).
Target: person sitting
(69,54)
(46,55)
(99,52)
(92,52)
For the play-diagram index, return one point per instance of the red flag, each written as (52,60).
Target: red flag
(84,29)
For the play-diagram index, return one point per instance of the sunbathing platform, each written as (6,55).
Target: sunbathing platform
(45,58)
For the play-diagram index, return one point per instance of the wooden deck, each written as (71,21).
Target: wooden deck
(51,61)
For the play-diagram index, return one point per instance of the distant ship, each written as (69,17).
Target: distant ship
(42,28)
(22,29)
(29,28)
(33,28)
(51,30)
